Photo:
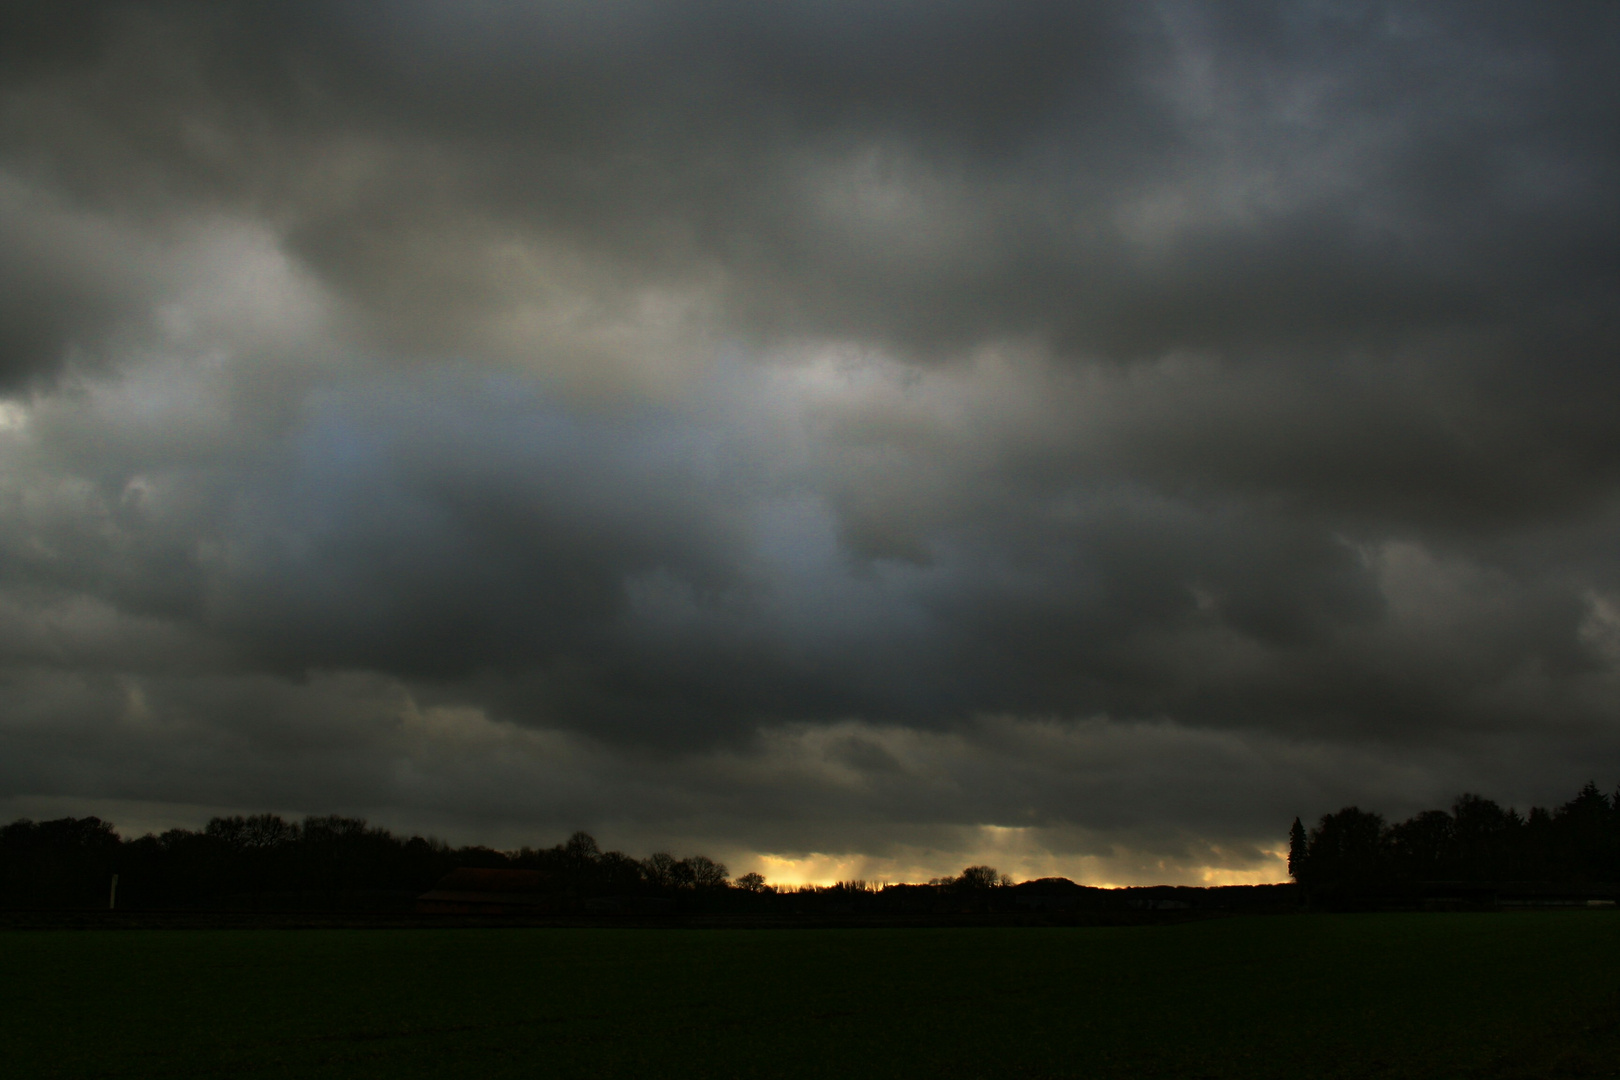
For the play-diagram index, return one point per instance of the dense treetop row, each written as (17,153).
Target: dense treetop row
(1355,851)
(264,861)
(315,861)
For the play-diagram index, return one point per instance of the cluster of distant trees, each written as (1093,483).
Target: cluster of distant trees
(266,862)
(1355,853)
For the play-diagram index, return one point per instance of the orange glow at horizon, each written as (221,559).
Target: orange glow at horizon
(1012,856)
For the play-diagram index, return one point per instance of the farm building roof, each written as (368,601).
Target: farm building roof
(478,891)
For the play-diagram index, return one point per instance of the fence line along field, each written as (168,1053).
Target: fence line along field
(1390,995)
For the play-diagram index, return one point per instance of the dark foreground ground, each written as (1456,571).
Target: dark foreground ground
(1410,995)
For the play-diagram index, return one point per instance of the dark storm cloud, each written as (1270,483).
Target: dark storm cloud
(1344,186)
(791,381)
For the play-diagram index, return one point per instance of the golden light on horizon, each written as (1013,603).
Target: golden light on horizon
(1023,855)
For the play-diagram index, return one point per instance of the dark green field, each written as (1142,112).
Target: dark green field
(1520,995)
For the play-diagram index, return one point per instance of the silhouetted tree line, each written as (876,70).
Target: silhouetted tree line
(266,863)
(1354,854)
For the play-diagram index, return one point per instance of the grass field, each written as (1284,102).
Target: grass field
(1454,995)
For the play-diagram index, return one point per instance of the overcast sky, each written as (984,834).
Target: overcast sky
(842,437)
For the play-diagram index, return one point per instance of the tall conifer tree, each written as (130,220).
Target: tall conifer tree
(1297,851)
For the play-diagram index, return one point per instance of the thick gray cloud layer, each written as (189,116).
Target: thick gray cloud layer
(840,428)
